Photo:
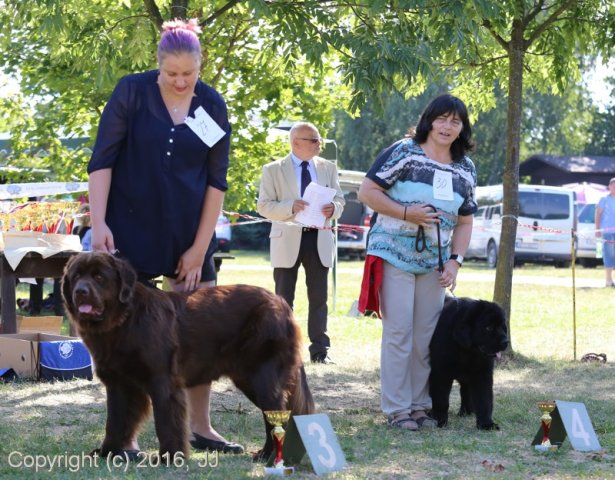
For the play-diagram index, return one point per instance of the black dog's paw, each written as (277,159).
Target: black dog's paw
(488,426)
(261,456)
(465,412)
(441,419)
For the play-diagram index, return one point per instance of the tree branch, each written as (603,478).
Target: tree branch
(112,27)
(548,22)
(218,13)
(533,13)
(153,13)
(503,43)
(179,9)
(475,64)
(239,33)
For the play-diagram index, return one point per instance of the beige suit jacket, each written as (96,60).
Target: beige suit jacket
(278,191)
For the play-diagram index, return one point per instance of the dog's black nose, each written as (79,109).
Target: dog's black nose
(81,290)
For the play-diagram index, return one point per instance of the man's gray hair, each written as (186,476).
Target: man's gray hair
(297,126)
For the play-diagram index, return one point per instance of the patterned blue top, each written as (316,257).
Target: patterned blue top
(406,173)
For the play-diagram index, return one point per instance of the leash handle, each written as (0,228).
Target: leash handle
(420,242)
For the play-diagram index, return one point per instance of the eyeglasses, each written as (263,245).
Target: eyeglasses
(312,140)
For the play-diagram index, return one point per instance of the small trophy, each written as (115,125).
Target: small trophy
(277,418)
(546,407)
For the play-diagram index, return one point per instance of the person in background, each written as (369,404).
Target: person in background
(84,229)
(280,199)
(157,182)
(422,188)
(605,228)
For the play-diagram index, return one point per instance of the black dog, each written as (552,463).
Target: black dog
(469,335)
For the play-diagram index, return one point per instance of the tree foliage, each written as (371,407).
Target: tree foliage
(68,55)
(602,129)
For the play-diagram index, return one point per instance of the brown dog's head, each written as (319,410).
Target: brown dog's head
(97,287)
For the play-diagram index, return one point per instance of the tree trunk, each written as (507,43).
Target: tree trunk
(506,257)
(179,9)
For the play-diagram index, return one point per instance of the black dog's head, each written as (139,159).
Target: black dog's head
(480,325)
(96,287)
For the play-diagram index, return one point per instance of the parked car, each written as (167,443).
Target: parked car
(586,236)
(485,241)
(223,233)
(353,225)
(546,218)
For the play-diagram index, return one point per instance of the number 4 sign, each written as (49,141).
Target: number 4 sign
(313,434)
(571,418)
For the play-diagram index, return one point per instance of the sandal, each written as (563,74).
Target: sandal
(423,420)
(403,421)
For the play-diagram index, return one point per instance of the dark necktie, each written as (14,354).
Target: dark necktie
(305,176)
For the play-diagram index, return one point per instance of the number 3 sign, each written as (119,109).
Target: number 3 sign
(313,434)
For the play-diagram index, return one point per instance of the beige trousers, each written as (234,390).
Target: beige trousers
(410,305)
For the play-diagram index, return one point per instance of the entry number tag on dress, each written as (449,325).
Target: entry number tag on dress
(205,127)
(443,185)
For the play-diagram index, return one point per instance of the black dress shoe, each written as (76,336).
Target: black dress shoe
(322,358)
(201,443)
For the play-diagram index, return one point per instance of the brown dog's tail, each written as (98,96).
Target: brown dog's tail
(300,401)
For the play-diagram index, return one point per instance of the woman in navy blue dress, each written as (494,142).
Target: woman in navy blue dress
(157,182)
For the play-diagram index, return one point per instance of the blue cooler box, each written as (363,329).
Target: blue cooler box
(43,356)
(64,360)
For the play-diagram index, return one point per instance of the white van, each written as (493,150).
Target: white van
(544,232)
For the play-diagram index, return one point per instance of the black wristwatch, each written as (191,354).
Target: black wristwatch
(457,258)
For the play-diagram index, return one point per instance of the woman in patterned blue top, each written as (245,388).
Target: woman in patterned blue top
(418,184)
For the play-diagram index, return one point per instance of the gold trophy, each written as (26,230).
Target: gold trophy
(546,407)
(277,418)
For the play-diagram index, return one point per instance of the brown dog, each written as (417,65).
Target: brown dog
(148,344)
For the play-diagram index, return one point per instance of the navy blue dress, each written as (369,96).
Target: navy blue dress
(160,172)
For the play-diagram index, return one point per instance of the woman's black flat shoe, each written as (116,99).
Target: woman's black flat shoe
(201,443)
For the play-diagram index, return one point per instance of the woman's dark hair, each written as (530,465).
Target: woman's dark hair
(444,105)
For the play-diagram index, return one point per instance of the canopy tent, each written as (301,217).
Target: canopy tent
(587,192)
(20,190)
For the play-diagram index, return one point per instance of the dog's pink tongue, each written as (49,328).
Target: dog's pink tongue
(85,308)
(498,355)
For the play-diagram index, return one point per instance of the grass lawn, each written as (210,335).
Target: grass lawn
(61,420)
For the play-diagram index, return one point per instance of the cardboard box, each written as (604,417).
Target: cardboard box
(40,355)
(51,325)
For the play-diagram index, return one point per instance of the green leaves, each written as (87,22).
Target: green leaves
(284,60)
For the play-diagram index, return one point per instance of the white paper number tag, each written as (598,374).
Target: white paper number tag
(205,127)
(443,185)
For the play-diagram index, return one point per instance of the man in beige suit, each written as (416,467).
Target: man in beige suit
(292,245)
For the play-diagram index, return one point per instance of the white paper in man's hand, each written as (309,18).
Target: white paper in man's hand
(317,197)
